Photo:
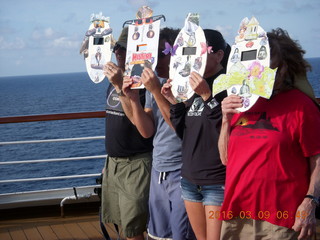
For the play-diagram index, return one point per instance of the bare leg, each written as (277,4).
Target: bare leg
(197,218)
(213,223)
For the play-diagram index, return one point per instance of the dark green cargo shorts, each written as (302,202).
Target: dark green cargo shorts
(125,193)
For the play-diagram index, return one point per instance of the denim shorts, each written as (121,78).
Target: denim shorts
(207,194)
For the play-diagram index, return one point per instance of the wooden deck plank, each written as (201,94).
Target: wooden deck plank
(91,231)
(5,235)
(47,233)
(61,232)
(76,231)
(32,232)
(17,233)
(110,229)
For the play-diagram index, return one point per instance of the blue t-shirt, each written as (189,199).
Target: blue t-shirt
(166,144)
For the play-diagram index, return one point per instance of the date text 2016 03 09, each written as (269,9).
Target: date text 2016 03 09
(260,215)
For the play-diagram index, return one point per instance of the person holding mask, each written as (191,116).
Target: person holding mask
(168,218)
(197,122)
(272,153)
(126,180)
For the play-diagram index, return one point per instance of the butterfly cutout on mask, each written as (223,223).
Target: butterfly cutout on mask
(169,49)
(205,48)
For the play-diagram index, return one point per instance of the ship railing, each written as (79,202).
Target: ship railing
(50,196)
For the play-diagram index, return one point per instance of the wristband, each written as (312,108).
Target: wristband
(120,93)
(313,199)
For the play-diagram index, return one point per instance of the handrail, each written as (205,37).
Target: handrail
(51,117)
(53,160)
(52,140)
(50,178)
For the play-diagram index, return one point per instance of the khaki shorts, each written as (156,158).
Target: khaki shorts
(125,193)
(250,229)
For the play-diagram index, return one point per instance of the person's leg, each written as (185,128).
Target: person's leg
(213,196)
(110,210)
(159,208)
(213,223)
(195,209)
(237,229)
(180,225)
(133,187)
(267,231)
(197,218)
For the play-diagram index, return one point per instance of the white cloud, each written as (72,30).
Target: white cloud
(46,33)
(14,44)
(64,42)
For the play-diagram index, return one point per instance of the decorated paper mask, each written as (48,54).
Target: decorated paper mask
(142,45)
(188,54)
(248,72)
(96,46)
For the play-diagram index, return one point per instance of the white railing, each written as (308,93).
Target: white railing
(49,196)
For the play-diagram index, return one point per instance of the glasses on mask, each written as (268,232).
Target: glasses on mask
(118,47)
(143,21)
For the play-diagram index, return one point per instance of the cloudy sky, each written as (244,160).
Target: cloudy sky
(44,36)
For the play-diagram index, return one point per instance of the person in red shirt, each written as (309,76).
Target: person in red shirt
(272,153)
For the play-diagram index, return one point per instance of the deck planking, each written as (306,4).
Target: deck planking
(54,228)
(75,227)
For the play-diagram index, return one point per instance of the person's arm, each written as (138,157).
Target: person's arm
(152,84)
(200,86)
(140,117)
(305,220)
(228,107)
(177,110)
(115,77)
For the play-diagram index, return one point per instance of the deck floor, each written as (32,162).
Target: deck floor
(77,227)
(54,228)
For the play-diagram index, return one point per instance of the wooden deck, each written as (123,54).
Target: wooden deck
(45,223)
(49,225)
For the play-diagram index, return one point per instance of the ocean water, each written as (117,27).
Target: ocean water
(59,93)
(49,94)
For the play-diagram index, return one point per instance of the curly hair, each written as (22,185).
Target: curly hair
(287,55)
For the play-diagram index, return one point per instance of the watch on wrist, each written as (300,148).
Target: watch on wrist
(313,199)
(120,92)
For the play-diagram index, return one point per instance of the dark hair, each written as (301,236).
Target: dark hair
(287,55)
(169,34)
(215,39)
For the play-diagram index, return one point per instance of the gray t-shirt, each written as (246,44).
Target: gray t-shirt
(166,144)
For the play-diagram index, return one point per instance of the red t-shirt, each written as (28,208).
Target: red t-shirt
(268,171)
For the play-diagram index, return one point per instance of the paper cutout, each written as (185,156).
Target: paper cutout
(168,49)
(248,72)
(96,46)
(142,45)
(191,55)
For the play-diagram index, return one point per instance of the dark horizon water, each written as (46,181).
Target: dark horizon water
(59,93)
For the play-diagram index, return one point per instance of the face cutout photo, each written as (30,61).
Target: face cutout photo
(248,71)
(142,46)
(96,46)
(189,53)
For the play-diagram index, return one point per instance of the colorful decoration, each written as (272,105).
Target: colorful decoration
(190,54)
(248,72)
(142,46)
(96,46)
